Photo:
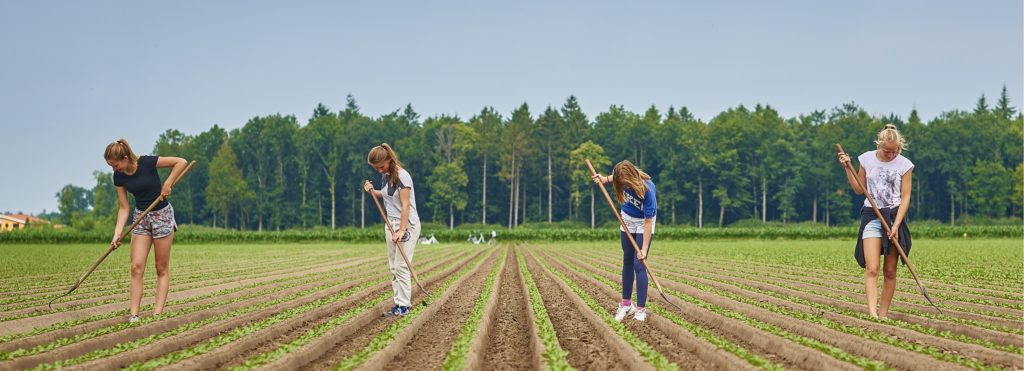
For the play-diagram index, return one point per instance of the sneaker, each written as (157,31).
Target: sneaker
(641,314)
(133,318)
(622,312)
(397,311)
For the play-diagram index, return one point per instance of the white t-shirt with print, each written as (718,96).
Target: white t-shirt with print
(392,202)
(884,178)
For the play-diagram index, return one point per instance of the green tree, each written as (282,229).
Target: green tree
(576,131)
(201,148)
(447,181)
(487,125)
(1017,195)
(104,196)
(581,176)
(727,136)
(549,136)
(72,200)
(172,143)
(515,148)
(227,189)
(981,107)
(1003,109)
(990,188)
(327,143)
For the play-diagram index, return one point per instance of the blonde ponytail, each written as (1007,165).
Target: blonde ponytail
(891,135)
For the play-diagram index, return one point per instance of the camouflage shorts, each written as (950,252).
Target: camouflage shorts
(157,224)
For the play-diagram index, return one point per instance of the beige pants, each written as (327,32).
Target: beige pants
(401,278)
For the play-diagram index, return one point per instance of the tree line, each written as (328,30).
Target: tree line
(526,166)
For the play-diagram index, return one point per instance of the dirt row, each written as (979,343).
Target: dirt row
(680,281)
(511,340)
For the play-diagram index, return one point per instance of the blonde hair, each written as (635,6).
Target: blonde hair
(384,153)
(120,149)
(626,175)
(891,135)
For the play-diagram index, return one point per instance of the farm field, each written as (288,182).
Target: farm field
(744,305)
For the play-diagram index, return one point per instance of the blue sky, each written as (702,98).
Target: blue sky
(75,76)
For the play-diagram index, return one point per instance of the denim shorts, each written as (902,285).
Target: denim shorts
(156,224)
(872,230)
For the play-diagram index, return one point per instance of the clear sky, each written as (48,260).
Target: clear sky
(76,75)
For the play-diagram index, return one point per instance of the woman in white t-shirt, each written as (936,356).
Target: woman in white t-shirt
(887,176)
(400,203)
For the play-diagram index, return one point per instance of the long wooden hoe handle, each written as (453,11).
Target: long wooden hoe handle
(123,235)
(629,236)
(885,226)
(401,250)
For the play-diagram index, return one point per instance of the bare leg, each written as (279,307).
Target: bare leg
(889,284)
(139,253)
(872,249)
(162,246)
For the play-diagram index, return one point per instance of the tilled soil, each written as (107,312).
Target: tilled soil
(508,345)
(435,338)
(588,349)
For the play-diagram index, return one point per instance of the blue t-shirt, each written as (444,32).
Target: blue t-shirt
(646,207)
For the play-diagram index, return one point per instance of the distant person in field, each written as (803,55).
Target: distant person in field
(138,175)
(635,191)
(400,203)
(887,175)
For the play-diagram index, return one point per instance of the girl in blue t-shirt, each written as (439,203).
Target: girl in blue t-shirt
(635,191)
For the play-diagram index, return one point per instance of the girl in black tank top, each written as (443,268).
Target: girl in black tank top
(138,175)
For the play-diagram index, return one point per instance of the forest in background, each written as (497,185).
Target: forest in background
(747,165)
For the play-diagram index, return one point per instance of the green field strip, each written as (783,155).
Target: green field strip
(181,284)
(846,276)
(837,353)
(117,276)
(123,347)
(169,314)
(456,357)
(847,312)
(764,279)
(877,336)
(554,355)
(851,280)
(172,314)
(239,332)
(761,277)
(280,350)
